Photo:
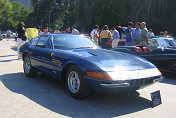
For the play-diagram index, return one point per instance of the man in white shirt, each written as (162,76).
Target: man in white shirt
(74,30)
(115,37)
(94,34)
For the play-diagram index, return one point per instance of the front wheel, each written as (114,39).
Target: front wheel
(28,69)
(76,84)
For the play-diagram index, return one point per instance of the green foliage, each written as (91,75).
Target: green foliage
(158,14)
(60,12)
(5,14)
(20,13)
(11,13)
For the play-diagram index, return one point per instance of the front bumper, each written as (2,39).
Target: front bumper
(127,83)
(121,85)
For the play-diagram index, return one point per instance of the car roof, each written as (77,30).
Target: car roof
(61,34)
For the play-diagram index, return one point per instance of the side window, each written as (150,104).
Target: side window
(34,41)
(48,44)
(42,42)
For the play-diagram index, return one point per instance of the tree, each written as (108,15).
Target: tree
(158,14)
(5,14)
(11,13)
(20,13)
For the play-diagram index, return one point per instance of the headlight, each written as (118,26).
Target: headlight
(99,75)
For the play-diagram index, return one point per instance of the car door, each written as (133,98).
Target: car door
(42,54)
(32,46)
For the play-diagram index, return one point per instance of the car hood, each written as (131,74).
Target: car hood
(120,66)
(111,60)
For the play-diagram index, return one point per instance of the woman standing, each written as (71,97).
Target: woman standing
(21,38)
(105,36)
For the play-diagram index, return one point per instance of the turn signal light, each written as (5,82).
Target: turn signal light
(160,71)
(99,75)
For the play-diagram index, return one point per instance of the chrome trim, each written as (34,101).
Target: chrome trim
(115,85)
(158,79)
(127,84)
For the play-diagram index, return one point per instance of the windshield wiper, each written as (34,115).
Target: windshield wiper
(82,47)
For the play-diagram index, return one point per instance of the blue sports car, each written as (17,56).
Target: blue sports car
(84,66)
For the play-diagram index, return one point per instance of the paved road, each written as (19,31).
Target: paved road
(42,97)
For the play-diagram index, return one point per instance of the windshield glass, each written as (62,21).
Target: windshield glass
(162,42)
(72,42)
(171,42)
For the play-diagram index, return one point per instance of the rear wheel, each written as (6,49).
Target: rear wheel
(76,84)
(28,69)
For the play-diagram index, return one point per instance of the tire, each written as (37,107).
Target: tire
(27,67)
(76,84)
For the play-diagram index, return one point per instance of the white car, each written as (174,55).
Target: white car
(12,35)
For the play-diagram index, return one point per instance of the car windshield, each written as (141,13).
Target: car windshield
(162,42)
(73,42)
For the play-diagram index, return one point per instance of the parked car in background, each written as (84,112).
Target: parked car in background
(162,42)
(161,52)
(4,35)
(84,66)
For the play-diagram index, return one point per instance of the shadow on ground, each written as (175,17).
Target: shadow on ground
(14,48)
(7,55)
(169,78)
(52,95)
(8,60)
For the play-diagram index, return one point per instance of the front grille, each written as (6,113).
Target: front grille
(142,81)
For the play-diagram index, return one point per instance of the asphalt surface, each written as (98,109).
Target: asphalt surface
(43,97)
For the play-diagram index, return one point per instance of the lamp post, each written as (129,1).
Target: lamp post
(49,19)
(28,3)
(41,25)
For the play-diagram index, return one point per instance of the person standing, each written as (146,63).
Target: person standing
(46,30)
(128,34)
(8,33)
(94,34)
(115,37)
(74,30)
(135,34)
(20,34)
(57,30)
(150,33)
(105,36)
(165,33)
(143,37)
(67,30)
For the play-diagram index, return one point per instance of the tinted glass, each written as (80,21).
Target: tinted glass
(48,44)
(171,42)
(161,42)
(42,42)
(71,42)
(34,41)
(154,43)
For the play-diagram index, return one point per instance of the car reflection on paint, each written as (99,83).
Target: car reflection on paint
(84,66)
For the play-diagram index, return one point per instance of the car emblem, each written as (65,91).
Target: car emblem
(52,54)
